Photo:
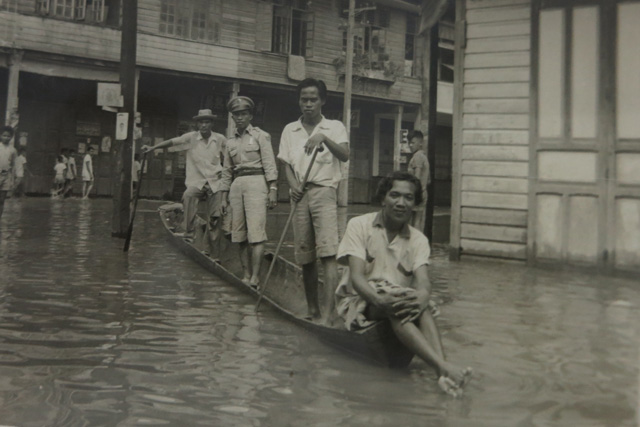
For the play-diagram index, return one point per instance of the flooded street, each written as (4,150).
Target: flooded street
(90,335)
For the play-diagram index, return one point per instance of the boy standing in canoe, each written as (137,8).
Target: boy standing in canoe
(249,160)
(315,224)
(387,277)
(203,175)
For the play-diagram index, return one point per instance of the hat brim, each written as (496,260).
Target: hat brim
(205,116)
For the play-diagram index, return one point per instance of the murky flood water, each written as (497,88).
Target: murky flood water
(92,336)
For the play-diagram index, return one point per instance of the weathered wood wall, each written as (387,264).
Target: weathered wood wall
(493,152)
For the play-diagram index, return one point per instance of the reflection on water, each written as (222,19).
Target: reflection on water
(92,336)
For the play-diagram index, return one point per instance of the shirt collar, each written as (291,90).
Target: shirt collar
(404,233)
(248,129)
(212,138)
(322,125)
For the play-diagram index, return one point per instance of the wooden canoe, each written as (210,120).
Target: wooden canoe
(285,294)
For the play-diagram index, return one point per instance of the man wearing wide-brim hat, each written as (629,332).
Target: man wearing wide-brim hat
(249,155)
(204,169)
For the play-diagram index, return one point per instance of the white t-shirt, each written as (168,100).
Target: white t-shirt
(87,168)
(326,169)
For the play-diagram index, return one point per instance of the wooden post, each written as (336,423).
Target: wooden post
(231,125)
(397,138)
(431,132)
(343,187)
(123,153)
(11,112)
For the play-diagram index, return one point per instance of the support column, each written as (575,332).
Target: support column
(11,112)
(397,137)
(231,125)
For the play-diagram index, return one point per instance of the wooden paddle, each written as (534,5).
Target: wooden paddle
(135,204)
(286,227)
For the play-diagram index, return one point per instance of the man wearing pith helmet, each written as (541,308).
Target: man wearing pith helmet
(204,169)
(250,169)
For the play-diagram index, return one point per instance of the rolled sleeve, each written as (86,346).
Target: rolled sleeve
(341,136)
(267,157)
(353,242)
(284,150)
(227,165)
(421,250)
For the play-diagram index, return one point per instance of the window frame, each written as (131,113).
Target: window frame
(187,20)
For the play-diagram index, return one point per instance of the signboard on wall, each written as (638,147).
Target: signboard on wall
(110,95)
(87,128)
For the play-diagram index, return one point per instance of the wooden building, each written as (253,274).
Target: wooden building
(546,153)
(194,54)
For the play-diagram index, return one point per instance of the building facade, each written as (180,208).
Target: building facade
(194,54)
(546,152)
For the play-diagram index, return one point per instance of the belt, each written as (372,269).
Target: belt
(248,172)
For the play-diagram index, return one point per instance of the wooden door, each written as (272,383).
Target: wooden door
(585,198)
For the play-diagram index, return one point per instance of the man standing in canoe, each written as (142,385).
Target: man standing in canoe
(250,161)
(315,224)
(387,277)
(204,169)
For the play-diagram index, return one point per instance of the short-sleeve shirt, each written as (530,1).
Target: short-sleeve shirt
(60,168)
(204,159)
(71,173)
(87,167)
(326,169)
(420,161)
(20,162)
(8,156)
(395,261)
(250,150)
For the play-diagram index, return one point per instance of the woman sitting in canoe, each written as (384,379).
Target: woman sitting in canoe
(387,277)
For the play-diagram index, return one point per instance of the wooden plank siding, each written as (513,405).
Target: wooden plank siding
(234,56)
(494,130)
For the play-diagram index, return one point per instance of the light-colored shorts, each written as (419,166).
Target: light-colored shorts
(6,183)
(352,308)
(315,224)
(59,180)
(248,198)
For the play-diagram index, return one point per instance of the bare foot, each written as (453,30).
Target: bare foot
(460,376)
(449,386)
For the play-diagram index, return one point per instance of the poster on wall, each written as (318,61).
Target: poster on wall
(82,148)
(87,128)
(105,146)
(95,148)
(22,139)
(168,166)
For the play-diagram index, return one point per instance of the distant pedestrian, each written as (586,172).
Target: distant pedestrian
(249,158)
(20,168)
(60,170)
(71,173)
(8,156)
(419,167)
(315,225)
(204,168)
(88,177)
(136,171)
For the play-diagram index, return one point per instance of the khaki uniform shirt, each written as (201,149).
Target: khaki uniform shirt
(251,150)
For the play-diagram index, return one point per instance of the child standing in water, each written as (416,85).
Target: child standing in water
(59,179)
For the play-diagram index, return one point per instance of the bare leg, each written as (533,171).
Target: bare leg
(415,340)
(244,260)
(257,252)
(310,279)
(330,266)
(213,231)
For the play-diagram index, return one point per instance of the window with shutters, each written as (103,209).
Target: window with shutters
(370,33)
(79,10)
(194,19)
(410,39)
(293,28)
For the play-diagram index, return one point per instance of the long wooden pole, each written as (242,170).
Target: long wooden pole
(135,204)
(343,189)
(124,149)
(284,231)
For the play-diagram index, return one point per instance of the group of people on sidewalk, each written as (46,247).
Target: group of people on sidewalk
(385,259)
